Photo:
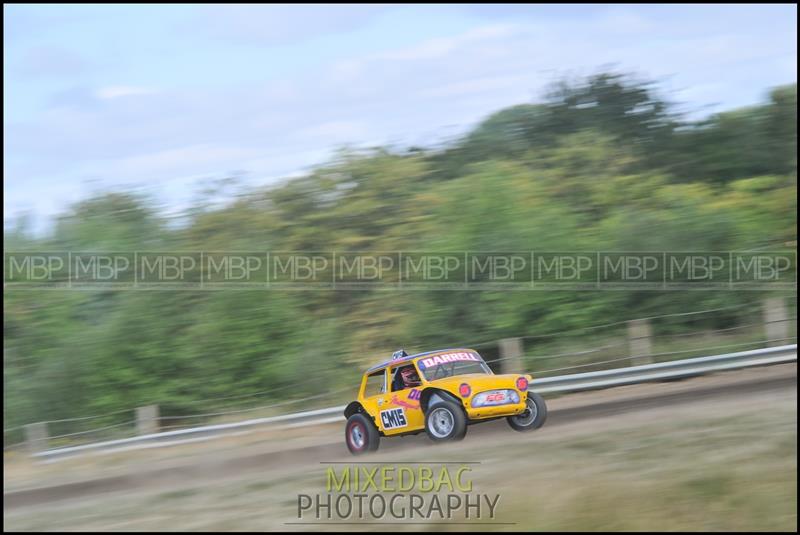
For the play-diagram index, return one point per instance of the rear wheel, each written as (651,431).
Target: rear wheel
(445,420)
(534,415)
(361,435)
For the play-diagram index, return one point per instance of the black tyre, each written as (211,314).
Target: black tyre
(445,420)
(533,417)
(361,435)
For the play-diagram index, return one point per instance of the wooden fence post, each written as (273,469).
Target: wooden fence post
(640,341)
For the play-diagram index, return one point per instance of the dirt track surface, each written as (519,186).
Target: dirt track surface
(229,458)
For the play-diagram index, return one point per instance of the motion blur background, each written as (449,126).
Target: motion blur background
(375,128)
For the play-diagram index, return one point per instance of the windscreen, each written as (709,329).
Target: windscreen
(449,364)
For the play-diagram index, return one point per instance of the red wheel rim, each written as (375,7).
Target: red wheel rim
(357,436)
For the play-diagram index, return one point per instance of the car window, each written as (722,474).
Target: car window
(396,380)
(450,364)
(376,383)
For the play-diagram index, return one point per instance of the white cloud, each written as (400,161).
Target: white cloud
(476,85)
(117,91)
(51,61)
(333,132)
(439,48)
(278,24)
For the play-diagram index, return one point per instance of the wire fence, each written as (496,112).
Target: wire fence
(598,365)
(253,409)
(669,336)
(673,335)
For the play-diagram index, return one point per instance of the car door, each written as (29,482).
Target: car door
(401,411)
(373,393)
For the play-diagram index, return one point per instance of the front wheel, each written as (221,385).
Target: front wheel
(533,417)
(361,435)
(445,420)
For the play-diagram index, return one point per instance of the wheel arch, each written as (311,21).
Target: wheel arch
(430,392)
(354,407)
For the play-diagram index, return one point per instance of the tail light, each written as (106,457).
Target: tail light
(522,384)
(464,390)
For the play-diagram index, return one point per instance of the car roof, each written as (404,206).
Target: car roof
(408,358)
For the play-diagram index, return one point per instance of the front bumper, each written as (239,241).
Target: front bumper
(510,409)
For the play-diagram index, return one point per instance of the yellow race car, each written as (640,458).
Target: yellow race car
(440,392)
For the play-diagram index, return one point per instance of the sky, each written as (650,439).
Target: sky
(164,98)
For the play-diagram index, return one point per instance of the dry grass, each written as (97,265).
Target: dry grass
(729,473)
(707,465)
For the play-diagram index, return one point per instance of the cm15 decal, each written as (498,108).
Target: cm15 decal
(393,418)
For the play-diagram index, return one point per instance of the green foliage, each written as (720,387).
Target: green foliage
(740,143)
(601,165)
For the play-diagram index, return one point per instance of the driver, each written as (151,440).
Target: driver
(410,377)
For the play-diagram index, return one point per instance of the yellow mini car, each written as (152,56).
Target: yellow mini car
(440,392)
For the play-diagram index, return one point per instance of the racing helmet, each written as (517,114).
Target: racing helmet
(410,376)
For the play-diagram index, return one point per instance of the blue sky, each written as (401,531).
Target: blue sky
(161,98)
